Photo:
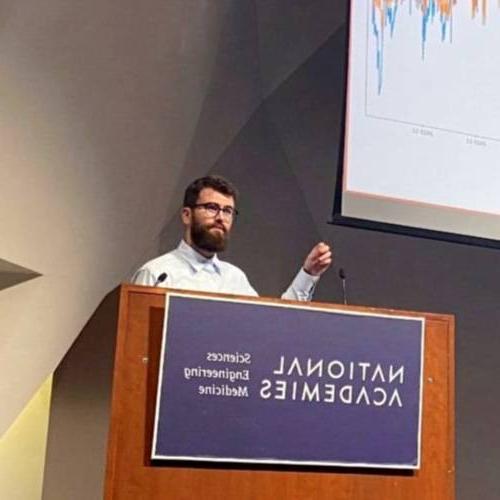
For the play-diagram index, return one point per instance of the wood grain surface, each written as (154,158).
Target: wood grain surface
(130,474)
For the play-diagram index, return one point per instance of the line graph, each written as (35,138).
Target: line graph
(384,15)
(436,64)
(423,114)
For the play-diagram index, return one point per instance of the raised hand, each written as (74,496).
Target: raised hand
(318,260)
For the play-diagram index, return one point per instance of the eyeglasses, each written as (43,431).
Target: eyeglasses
(213,210)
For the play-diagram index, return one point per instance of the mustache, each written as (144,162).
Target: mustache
(218,226)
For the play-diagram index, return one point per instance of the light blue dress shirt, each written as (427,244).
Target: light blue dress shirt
(186,269)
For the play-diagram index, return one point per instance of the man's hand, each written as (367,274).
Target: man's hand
(318,260)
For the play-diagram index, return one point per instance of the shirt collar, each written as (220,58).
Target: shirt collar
(196,260)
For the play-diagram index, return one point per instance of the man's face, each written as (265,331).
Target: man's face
(206,230)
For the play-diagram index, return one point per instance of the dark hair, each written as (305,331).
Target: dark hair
(215,182)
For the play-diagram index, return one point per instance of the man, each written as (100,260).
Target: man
(208,213)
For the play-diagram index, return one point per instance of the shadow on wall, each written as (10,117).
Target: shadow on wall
(283,160)
(11,274)
(281,149)
(80,409)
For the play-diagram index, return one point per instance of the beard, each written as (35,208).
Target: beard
(204,239)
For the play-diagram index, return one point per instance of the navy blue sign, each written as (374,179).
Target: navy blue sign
(254,382)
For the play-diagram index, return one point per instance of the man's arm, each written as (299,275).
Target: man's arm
(316,263)
(144,277)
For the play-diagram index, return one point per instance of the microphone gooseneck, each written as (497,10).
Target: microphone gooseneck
(343,277)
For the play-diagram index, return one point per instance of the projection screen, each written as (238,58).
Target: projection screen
(422,123)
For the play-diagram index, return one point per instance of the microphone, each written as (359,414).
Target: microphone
(343,277)
(160,279)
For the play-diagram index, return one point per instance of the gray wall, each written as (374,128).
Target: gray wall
(270,119)
(100,100)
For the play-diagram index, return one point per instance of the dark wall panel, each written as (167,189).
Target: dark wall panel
(271,122)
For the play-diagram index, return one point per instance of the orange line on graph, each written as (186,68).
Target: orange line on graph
(444,7)
(434,13)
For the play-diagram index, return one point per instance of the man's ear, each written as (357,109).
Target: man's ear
(186,214)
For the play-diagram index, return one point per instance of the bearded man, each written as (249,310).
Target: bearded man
(208,213)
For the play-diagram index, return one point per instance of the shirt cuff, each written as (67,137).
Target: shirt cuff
(305,282)
(302,287)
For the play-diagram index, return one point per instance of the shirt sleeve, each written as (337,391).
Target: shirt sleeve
(144,277)
(302,287)
(247,288)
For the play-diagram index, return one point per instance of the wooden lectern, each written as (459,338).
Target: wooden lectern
(131,475)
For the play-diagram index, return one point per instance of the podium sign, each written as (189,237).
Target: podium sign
(254,382)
